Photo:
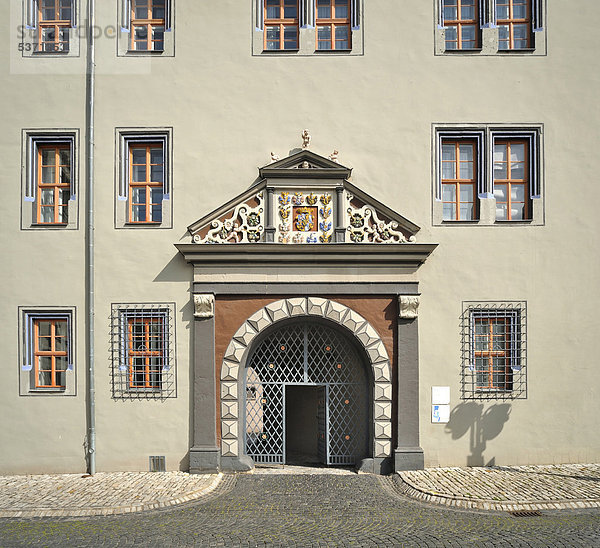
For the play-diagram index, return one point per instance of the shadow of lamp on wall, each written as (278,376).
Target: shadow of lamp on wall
(481,425)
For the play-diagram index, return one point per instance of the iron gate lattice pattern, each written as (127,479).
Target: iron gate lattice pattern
(312,354)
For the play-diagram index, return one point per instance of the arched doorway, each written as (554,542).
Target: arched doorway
(307,396)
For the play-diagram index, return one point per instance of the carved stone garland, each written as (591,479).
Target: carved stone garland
(365,226)
(244,226)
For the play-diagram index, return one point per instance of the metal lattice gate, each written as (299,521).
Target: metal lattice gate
(312,354)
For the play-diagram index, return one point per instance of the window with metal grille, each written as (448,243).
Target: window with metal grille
(143,358)
(494,350)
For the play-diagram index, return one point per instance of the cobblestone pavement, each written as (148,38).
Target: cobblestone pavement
(101,494)
(308,510)
(508,487)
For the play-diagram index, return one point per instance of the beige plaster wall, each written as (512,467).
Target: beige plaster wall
(229,110)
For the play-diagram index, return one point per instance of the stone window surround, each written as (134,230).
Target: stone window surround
(26,382)
(307,37)
(124,32)
(204,453)
(124,137)
(489,35)
(30,31)
(484,133)
(29,137)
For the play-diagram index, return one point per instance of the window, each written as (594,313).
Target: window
(146,28)
(148,25)
(494,350)
(143,351)
(488,175)
(143,193)
(49,179)
(54,18)
(490,27)
(459,179)
(50,28)
(47,351)
(333,25)
(146,179)
(513,18)
(511,185)
(281,24)
(462,24)
(53,183)
(307,27)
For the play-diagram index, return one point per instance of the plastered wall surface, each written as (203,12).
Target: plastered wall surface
(229,110)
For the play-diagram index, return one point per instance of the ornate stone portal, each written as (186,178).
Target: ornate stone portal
(285,240)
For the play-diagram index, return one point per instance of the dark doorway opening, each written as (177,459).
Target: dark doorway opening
(302,425)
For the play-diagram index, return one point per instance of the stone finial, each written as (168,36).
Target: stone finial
(274,157)
(306,139)
(334,156)
(204,305)
(409,306)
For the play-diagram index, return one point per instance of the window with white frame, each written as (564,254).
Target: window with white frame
(50,179)
(494,350)
(144,179)
(47,351)
(146,27)
(490,27)
(488,174)
(143,351)
(50,27)
(306,27)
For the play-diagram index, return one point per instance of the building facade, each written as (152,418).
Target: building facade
(411,281)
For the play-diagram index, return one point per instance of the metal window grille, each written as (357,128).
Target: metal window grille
(143,359)
(494,350)
(157,463)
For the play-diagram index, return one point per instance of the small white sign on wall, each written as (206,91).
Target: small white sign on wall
(440,404)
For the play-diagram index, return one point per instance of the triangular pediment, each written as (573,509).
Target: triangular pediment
(305,164)
(303,199)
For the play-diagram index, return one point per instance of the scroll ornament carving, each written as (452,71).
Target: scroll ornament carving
(245,225)
(204,305)
(409,306)
(365,226)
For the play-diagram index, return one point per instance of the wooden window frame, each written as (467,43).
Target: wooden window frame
(148,185)
(511,22)
(459,23)
(60,46)
(52,353)
(489,354)
(149,23)
(509,182)
(149,373)
(457,182)
(57,187)
(282,22)
(334,22)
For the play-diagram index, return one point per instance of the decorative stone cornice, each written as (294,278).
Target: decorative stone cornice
(204,305)
(408,306)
